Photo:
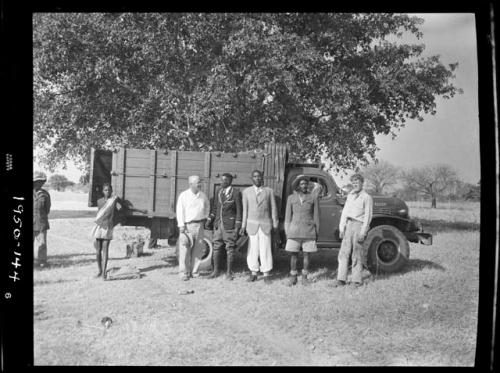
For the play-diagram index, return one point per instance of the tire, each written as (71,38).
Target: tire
(387,248)
(206,259)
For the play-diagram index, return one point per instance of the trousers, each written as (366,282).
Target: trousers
(350,247)
(227,238)
(259,247)
(41,239)
(191,250)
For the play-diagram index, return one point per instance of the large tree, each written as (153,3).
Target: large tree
(380,176)
(324,83)
(431,181)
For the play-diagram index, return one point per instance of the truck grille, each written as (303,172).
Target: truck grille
(382,210)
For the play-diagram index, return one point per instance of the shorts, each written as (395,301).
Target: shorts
(294,246)
(102,233)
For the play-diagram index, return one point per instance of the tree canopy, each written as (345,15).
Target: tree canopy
(324,83)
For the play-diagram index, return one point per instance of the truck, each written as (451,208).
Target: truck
(152,180)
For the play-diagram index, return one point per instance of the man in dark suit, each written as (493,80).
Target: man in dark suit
(226,215)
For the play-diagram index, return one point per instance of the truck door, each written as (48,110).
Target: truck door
(329,207)
(100,173)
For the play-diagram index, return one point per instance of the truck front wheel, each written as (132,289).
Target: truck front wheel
(387,248)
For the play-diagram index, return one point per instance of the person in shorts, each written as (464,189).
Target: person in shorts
(106,219)
(301,227)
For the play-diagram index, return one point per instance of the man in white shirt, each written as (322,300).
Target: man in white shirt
(353,228)
(192,211)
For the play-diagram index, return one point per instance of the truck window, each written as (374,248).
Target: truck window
(318,186)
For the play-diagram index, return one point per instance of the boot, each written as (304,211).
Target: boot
(216,257)
(229,274)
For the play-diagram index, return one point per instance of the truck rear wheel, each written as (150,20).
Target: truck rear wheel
(388,249)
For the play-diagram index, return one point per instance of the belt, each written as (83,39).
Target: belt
(196,221)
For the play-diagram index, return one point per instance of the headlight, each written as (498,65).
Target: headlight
(403,212)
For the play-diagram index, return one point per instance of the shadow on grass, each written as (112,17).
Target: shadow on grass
(71,214)
(439,225)
(48,282)
(158,266)
(413,265)
(62,261)
(70,260)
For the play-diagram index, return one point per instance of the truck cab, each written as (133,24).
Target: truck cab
(390,229)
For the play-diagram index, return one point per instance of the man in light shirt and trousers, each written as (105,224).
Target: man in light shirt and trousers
(260,216)
(193,208)
(353,228)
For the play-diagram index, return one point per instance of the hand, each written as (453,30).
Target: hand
(341,235)
(242,231)
(209,219)
(361,237)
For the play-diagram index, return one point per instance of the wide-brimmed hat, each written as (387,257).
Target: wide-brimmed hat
(39,176)
(298,179)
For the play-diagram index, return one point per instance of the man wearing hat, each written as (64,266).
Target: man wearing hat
(226,215)
(41,209)
(301,226)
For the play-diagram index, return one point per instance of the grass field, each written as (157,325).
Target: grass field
(425,315)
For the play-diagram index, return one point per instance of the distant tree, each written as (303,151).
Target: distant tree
(85,178)
(379,176)
(472,192)
(430,180)
(59,182)
(322,82)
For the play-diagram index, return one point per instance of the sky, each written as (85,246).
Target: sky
(451,136)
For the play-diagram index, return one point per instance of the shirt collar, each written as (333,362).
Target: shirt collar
(356,194)
(194,195)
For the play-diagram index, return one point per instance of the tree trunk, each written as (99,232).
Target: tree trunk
(433,203)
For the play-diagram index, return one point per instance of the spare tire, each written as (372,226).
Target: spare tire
(206,258)
(387,249)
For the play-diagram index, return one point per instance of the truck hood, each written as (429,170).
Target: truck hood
(385,205)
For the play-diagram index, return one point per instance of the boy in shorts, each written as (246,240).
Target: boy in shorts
(301,227)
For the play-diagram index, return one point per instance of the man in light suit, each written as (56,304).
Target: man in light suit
(260,216)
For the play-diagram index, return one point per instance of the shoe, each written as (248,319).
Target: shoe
(336,283)
(185,278)
(356,284)
(267,280)
(305,281)
(292,280)
(195,275)
(228,277)
(98,275)
(252,278)
(214,274)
